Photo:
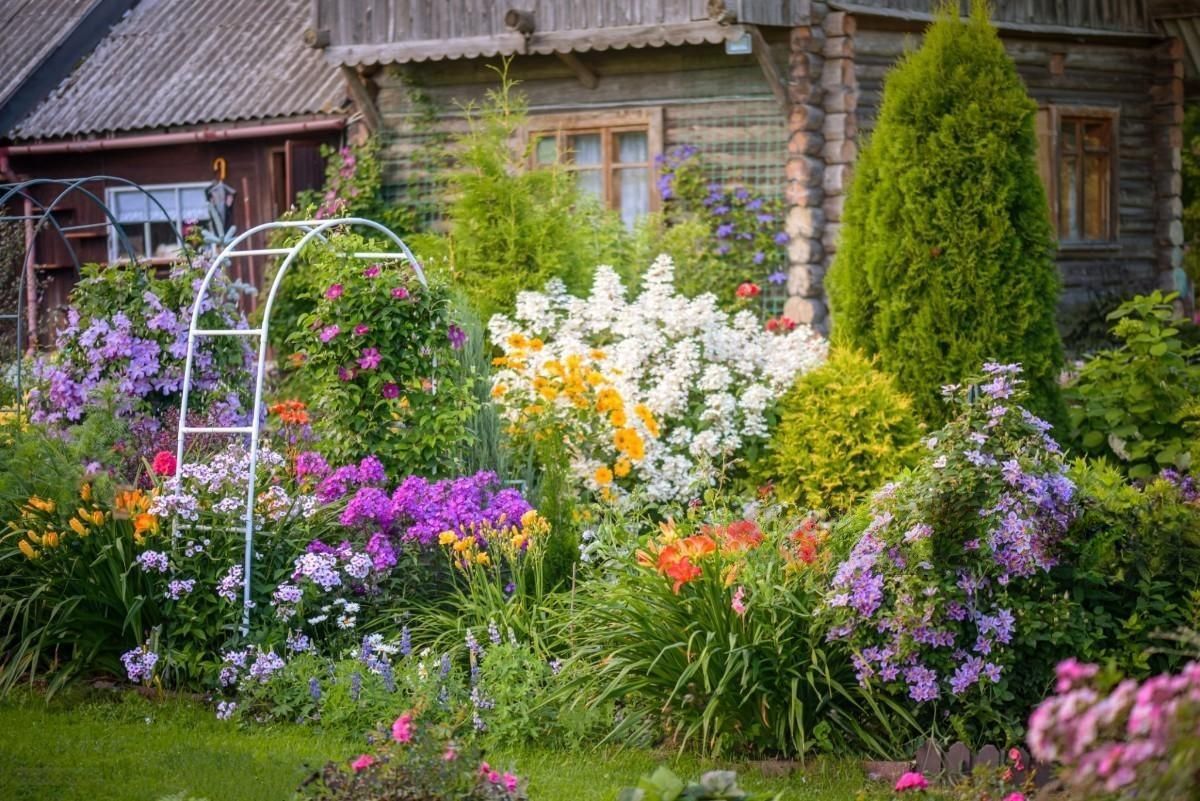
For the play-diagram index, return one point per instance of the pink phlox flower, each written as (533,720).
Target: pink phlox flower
(363,762)
(402,729)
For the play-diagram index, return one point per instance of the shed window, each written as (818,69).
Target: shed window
(1079,167)
(152,220)
(612,155)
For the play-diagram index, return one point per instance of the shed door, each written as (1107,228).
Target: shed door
(305,169)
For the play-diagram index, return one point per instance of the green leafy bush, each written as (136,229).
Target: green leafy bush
(378,357)
(512,226)
(946,258)
(1133,567)
(1137,403)
(844,429)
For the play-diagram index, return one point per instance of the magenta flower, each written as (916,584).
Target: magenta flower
(402,729)
(457,337)
(329,332)
(361,329)
(911,781)
(346,374)
(370,359)
(334,292)
(363,762)
(371,271)
(400,293)
(390,391)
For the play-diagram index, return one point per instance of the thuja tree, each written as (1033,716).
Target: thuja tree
(946,255)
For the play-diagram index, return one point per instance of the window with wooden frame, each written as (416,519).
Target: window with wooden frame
(611,153)
(1077,150)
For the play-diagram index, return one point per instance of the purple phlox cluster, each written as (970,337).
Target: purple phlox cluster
(177,588)
(298,642)
(494,633)
(311,466)
(466,505)
(232,665)
(230,584)
(153,561)
(314,688)
(139,663)
(371,506)
(225,709)
(336,485)
(319,568)
(266,664)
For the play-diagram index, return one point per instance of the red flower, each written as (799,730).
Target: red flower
(748,290)
(781,325)
(164,463)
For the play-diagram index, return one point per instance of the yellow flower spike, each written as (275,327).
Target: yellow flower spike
(603,476)
(97,517)
(447,538)
(529,518)
(519,541)
(27,549)
(78,527)
(462,545)
(482,558)
(85,492)
(41,504)
(50,540)
(34,537)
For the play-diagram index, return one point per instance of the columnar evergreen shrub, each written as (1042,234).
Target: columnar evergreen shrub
(844,429)
(946,256)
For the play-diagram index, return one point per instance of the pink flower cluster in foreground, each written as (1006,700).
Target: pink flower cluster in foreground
(1117,739)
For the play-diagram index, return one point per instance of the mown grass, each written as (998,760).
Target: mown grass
(123,747)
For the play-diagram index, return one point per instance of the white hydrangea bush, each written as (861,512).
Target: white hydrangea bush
(708,379)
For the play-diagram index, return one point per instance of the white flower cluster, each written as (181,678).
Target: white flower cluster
(708,377)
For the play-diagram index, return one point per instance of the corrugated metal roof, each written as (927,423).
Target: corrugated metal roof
(29,31)
(190,62)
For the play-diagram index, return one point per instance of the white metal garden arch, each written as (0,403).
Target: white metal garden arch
(313,229)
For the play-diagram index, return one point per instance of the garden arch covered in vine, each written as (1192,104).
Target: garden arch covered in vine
(239,248)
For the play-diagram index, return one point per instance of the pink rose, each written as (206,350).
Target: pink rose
(164,463)
(363,762)
(402,729)
(911,781)
(334,292)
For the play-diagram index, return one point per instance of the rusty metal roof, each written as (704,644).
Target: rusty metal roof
(176,63)
(29,31)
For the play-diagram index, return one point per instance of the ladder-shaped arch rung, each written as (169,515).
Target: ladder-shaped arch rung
(228,332)
(217,429)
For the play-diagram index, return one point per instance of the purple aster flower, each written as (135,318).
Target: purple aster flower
(759,257)
(782,238)
(777,277)
(724,230)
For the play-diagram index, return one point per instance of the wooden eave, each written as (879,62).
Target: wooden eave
(547,43)
(917,20)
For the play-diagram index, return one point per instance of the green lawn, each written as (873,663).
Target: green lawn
(125,748)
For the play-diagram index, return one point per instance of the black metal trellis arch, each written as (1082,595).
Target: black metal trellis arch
(41,215)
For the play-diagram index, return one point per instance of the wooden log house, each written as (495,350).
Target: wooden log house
(778,95)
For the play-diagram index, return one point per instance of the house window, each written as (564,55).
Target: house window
(153,228)
(1077,150)
(612,155)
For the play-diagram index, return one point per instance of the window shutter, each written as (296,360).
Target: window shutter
(1046,158)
